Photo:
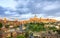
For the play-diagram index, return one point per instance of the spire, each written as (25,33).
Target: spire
(4,19)
(40,17)
(35,15)
(16,19)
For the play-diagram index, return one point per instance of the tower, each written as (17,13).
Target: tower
(5,20)
(35,16)
(16,19)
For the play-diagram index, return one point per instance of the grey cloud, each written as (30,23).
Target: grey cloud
(52,12)
(2,10)
(38,10)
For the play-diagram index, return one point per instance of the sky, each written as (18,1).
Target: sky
(25,9)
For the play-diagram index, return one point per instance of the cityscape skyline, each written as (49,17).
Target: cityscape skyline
(25,9)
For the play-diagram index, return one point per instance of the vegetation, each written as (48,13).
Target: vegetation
(20,36)
(1,25)
(1,30)
(26,34)
(58,31)
(52,28)
(6,26)
(35,27)
(9,37)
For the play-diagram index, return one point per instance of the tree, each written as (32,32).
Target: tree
(1,32)
(52,28)
(35,27)
(20,36)
(27,34)
(1,25)
(7,26)
(58,31)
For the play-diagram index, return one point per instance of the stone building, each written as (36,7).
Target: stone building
(50,35)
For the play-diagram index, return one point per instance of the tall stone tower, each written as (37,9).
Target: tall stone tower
(35,16)
(5,20)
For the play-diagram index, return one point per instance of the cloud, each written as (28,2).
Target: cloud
(25,9)
(2,10)
(8,4)
(37,6)
(52,6)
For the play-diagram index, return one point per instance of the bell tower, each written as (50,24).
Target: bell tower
(5,20)
(35,16)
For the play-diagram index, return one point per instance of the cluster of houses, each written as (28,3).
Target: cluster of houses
(14,32)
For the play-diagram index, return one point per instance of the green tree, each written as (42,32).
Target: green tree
(6,26)
(58,31)
(52,28)
(1,25)
(20,36)
(1,30)
(35,27)
(26,34)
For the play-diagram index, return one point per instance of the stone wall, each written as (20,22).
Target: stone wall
(50,36)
